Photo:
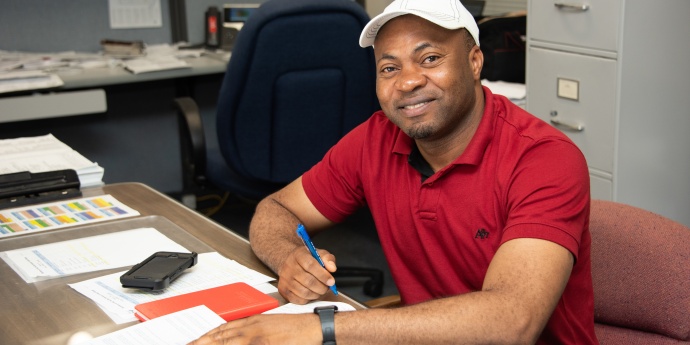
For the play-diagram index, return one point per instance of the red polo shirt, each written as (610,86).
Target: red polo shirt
(518,177)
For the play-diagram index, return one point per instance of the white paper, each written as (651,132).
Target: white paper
(291,308)
(514,91)
(28,80)
(211,270)
(120,249)
(47,153)
(153,64)
(181,327)
(128,14)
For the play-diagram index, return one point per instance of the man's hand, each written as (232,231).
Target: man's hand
(301,329)
(302,279)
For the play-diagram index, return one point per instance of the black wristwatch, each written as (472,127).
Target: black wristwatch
(327,317)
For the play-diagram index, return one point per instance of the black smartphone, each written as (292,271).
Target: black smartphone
(158,270)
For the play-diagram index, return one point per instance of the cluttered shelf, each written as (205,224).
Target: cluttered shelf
(39,86)
(23,71)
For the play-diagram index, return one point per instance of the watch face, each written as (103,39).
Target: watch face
(328,307)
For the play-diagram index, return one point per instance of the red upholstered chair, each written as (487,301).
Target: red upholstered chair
(641,276)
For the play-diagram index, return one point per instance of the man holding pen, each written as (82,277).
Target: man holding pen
(482,209)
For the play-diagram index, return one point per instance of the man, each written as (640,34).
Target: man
(481,208)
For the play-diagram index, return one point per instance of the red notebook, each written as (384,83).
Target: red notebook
(232,301)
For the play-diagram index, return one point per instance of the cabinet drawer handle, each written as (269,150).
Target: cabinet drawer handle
(573,127)
(571,7)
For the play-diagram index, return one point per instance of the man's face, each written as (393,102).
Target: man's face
(425,81)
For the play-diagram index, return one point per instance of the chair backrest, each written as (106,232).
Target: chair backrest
(297,81)
(641,276)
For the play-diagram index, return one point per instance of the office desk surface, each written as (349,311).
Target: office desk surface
(104,76)
(50,312)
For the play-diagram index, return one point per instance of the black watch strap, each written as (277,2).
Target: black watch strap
(327,317)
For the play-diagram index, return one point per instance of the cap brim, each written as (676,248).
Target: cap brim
(370,31)
(372,28)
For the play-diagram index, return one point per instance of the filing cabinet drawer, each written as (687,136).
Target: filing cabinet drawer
(600,188)
(567,89)
(566,22)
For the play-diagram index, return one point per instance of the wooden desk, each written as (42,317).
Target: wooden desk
(49,312)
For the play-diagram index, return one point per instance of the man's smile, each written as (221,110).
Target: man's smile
(415,107)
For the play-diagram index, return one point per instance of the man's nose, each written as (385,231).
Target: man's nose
(410,78)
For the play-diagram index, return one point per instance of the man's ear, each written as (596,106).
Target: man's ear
(476,59)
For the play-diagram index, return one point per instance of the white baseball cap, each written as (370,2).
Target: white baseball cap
(449,14)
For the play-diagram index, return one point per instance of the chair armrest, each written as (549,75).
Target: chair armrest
(192,142)
(373,286)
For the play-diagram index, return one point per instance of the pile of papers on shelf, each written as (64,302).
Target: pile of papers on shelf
(515,92)
(22,71)
(28,80)
(47,153)
(122,48)
(160,57)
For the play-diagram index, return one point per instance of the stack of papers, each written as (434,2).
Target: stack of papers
(47,153)
(24,71)
(122,48)
(515,92)
(28,80)
(153,64)
(159,57)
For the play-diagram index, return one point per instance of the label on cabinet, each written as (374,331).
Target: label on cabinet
(569,89)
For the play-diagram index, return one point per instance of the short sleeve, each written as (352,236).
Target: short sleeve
(549,196)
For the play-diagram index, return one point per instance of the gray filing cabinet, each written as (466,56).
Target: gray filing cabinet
(614,75)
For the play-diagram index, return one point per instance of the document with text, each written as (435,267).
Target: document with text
(88,254)
(177,328)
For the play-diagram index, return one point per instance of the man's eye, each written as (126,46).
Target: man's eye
(431,58)
(387,69)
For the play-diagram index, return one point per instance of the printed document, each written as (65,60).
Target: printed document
(119,249)
(177,328)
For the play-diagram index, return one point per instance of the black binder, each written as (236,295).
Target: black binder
(25,188)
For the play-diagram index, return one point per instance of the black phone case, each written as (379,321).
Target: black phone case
(158,270)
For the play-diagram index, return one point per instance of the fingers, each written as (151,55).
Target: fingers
(328,260)
(221,334)
(303,279)
(233,332)
(265,329)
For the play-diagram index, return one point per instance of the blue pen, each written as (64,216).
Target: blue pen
(307,242)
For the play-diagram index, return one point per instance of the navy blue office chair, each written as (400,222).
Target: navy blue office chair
(297,81)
